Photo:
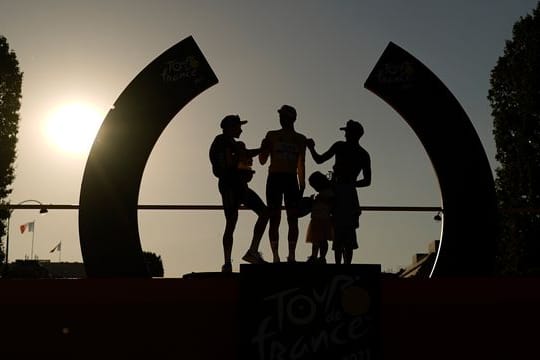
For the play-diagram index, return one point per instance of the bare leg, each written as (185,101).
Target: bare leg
(292,236)
(347,256)
(338,255)
(273,232)
(258,231)
(323,249)
(230,225)
(314,250)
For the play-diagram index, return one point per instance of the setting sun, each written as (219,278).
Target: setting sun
(73,127)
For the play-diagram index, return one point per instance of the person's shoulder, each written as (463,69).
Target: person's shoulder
(272,133)
(363,150)
(299,137)
(223,141)
(339,144)
(218,139)
(364,153)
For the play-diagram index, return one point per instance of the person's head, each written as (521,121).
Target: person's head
(353,130)
(232,125)
(319,181)
(287,115)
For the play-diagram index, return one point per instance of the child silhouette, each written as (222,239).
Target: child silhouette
(320,229)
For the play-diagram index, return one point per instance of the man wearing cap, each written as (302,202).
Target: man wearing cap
(286,149)
(231,164)
(351,159)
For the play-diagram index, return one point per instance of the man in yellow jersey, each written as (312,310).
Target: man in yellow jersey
(286,177)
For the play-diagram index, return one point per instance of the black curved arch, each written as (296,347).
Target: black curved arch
(452,144)
(108,225)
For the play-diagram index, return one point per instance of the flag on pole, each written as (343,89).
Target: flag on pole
(28,226)
(57,247)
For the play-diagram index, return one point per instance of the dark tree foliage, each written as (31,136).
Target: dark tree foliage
(153,263)
(515,101)
(10,103)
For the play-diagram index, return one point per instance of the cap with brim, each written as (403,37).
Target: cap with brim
(353,126)
(231,120)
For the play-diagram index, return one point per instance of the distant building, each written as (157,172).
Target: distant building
(45,269)
(64,270)
(26,269)
(422,263)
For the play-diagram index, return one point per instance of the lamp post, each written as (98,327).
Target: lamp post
(42,210)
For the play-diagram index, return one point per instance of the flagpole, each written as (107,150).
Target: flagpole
(32,249)
(58,248)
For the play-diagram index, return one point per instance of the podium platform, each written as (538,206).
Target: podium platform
(200,317)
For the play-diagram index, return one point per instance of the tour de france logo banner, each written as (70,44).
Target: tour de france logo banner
(315,312)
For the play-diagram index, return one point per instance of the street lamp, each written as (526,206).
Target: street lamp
(10,207)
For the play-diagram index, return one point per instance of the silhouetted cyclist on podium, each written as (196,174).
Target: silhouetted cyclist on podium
(351,159)
(231,164)
(286,177)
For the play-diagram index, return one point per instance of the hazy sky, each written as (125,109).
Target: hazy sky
(314,55)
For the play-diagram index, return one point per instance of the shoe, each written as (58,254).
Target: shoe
(321,260)
(226,268)
(253,257)
(277,260)
(311,260)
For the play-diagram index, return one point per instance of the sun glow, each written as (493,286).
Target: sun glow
(73,127)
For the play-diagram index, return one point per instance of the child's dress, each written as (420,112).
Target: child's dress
(320,226)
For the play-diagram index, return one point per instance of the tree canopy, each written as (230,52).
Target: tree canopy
(515,101)
(153,263)
(10,103)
